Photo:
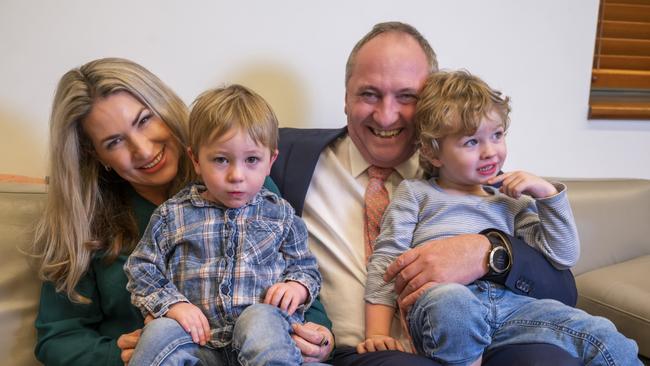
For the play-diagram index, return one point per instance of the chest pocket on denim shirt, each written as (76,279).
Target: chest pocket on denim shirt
(261,243)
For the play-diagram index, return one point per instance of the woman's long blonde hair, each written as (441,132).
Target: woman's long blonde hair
(88,210)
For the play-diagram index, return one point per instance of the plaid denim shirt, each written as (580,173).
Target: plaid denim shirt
(219,259)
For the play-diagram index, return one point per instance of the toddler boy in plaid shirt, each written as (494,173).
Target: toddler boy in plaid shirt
(223,266)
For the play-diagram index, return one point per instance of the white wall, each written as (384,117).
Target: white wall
(293,52)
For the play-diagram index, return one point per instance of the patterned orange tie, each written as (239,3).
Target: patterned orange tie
(376,199)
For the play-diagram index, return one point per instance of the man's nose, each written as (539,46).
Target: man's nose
(386,112)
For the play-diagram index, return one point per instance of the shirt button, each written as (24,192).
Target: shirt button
(224,289)
(230,252)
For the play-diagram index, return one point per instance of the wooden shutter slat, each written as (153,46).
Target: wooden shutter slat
(625,62)
(609,78)
(630,30)
(629,13)
(624,47)
(619,110)
(627,2)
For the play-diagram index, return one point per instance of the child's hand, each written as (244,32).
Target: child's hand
(191,318)
(286,295)
(514,184)
(379,343)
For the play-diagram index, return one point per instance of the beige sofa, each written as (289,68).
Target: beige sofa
(613,218)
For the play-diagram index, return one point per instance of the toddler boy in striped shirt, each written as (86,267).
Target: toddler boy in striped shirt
(461,123)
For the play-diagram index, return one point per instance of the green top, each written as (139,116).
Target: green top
(86,334)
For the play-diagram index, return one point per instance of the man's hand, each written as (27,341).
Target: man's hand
(286,295)
(314,341)
(514,184)
(192,319)
(458,259)
(379,343)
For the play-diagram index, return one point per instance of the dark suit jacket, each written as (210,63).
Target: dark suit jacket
(531,274)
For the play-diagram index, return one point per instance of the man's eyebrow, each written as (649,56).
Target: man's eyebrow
(408,90)
(367,87)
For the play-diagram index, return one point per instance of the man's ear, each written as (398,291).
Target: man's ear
(195,161)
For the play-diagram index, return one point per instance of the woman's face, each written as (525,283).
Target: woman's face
(130,139)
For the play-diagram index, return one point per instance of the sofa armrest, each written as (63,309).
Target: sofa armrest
(613,219)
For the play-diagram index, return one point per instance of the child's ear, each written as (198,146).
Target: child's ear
(274,156)
(195,161)
(427,152)
(436,163)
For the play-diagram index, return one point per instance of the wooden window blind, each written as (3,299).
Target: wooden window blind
(620,81)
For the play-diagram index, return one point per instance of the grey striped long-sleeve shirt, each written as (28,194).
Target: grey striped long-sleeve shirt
(421,211)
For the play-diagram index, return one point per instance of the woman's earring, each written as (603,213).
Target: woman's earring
(107,167)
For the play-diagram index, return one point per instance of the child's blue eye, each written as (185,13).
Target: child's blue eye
(252,160)
(470,143)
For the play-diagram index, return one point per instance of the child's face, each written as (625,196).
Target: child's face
(233,168)
(466,162)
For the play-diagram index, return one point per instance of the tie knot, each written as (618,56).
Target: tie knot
(375,172)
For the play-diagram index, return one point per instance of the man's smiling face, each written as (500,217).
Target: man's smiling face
(380,98)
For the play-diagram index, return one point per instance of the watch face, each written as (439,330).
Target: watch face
(500,259)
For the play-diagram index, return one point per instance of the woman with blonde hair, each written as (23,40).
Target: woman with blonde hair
(117,141)
(117,135)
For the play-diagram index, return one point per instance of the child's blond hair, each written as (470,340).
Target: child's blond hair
(453,103)
(217,111)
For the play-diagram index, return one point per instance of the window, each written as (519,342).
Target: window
(620,79)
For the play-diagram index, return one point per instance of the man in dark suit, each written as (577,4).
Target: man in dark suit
(324,174)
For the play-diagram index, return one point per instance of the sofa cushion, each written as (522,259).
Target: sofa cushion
(20,206)
(621,293)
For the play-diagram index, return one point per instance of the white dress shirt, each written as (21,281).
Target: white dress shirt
(333,213)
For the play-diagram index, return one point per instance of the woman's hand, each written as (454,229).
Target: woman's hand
(126,343)
(314,341)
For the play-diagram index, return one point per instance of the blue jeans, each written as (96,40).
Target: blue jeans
(261,336)
(456,324)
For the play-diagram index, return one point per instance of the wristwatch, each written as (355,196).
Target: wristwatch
(499,257)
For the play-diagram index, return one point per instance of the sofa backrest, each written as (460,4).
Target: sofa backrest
(20,206)
(613,219)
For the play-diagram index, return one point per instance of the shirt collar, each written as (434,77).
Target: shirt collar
(358,165)
(197,199)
